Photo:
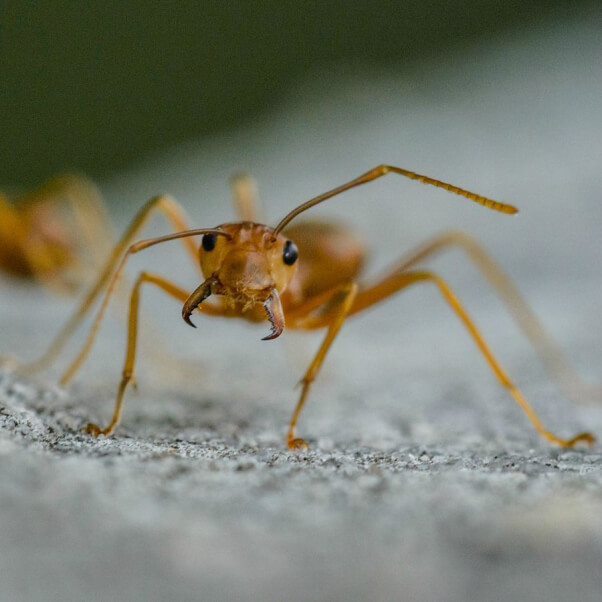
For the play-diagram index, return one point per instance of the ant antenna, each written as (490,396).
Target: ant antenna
(382,170)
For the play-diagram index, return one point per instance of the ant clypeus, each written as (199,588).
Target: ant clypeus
(55,233)
(305,274)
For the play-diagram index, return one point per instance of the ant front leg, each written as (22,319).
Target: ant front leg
(130,356)
(333,318)
(127,375)
(397,281)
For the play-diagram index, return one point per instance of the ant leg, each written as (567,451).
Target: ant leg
(397,281)
(94,235)
(92,220)
(174,214)
(243,188)
(114,281)
(130,356)
(340,309)
(548,350)
(94,239)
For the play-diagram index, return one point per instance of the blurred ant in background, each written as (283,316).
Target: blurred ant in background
(57,234)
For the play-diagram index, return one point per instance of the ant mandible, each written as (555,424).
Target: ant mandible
(291,275)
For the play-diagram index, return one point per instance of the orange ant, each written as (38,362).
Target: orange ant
(55,233)
(305,274)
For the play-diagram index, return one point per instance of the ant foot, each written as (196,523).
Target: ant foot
(587,438)
(297,444)
(93,429)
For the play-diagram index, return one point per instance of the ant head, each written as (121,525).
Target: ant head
(248,265)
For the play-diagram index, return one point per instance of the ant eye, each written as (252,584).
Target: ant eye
(209,241)
(290,253)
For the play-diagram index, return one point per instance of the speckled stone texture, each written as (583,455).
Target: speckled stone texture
(423,480)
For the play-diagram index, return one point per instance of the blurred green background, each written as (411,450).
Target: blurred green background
(96,86)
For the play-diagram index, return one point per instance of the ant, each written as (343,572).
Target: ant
(55,233)
(304,275)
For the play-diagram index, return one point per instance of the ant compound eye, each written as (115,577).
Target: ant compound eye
(209,241)
(290,252)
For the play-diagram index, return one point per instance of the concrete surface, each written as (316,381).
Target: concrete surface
(424,481)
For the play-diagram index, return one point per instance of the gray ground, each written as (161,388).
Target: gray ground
(424,481)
